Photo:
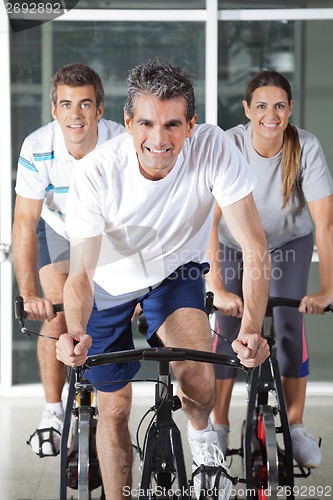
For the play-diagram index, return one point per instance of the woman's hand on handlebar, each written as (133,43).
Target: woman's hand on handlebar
(228,303)
(315,303)
(251,349)
(72,349)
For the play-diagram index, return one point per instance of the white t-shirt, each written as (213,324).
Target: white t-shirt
(314,182)
(150,228)
(45,168)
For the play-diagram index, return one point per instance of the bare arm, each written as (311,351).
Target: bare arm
(226,302)
(245,225)
(26,216)
(78,301)
(322,216)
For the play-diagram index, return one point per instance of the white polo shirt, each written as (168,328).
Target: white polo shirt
(45,168)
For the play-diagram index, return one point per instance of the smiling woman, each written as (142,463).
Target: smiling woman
(269,110)
(293,181)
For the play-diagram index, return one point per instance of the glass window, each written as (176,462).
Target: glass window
(315,102)
(294,48)
(114,48)
(147,4)
(267,4)
(111,49)
(25,57)
(298,49)
(244,49)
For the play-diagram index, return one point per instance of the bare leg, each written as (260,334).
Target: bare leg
(196,387)
(52,371)
(294,392)
(113,441)
(223,397)
(190,328)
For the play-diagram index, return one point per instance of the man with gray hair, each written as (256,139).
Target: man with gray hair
(139,216)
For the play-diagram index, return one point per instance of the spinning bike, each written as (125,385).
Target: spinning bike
(266,446)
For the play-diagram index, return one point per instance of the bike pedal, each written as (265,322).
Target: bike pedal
(72,475)
(234,451)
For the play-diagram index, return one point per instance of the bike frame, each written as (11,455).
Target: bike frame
(163,457)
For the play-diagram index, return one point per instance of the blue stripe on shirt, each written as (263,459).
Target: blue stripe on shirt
(26,164)
(43,156)
(61,214)
(60,189)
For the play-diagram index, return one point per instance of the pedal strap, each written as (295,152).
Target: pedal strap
(212,470)
(42,440)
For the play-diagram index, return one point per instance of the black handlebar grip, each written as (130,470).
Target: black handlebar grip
(20,312)
(19,308)
(142,324)
(209,302)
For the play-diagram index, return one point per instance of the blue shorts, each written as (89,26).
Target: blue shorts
(52,247)
(111,329)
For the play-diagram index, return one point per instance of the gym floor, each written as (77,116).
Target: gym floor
(25,476)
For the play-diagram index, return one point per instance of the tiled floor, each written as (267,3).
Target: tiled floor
(24,476)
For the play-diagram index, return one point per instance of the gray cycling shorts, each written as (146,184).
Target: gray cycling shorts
(289,278)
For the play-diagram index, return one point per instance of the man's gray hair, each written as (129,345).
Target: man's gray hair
(160,80)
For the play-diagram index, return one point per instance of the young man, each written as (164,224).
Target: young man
(48,160)
(139,217)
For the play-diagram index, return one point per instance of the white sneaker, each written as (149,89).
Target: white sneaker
(305,449)
(45,441)
(223,437)
(206,451)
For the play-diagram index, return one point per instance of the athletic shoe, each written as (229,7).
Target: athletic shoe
(45,441)
(206,452)
(305,449)
(223,437)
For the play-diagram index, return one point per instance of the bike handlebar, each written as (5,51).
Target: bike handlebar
(271,303)
(161,354)
(283,301)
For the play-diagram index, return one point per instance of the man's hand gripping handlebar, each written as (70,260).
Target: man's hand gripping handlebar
(21,316)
